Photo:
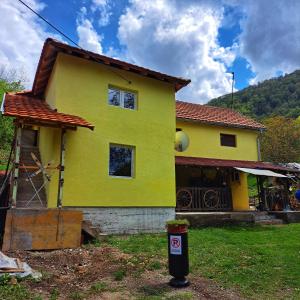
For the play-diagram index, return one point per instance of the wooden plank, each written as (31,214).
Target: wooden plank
(16,166)
(42,229)
(61,168)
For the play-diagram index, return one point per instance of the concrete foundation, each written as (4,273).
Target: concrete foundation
(124,220)
(287,216)
(202,219)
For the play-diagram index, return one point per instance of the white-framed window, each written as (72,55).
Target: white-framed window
(121,160)
(122,98)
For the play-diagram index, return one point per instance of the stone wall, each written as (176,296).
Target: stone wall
(124,220)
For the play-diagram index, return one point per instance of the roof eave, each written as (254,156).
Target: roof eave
(219,163)
(28,119)
(52,47)
(220,124)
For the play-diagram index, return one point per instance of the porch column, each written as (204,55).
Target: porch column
(239,189)
(16,166)
(61,168)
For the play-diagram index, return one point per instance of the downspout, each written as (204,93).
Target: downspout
(259,145)
(2,104)
(61,168)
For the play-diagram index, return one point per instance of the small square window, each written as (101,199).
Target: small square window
(228,140)
(122,98)
(121,161)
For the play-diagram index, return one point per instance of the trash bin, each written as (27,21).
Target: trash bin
(178,252)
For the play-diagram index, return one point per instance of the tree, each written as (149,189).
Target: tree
(7,84)
(277,96)
(280,143)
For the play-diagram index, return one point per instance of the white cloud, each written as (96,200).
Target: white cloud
(180,39)
(270,38)
(21,37)
(88,36)
(104,8)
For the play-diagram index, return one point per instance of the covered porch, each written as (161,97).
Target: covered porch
(217,185)
(37,157)
(36,163)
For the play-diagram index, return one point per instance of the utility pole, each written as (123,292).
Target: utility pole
(232,84)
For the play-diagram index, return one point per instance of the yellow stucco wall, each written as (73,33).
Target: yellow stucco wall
(239,192)
(205,142)
(49,145)
(80,87)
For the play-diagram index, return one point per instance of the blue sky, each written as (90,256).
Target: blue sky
(203,40)
(65,19)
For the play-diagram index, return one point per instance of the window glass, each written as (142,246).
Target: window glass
(129,100)
(113,97)
(228,140)
(121,98)
(120,161)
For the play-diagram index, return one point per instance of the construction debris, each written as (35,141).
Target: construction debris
(15,267)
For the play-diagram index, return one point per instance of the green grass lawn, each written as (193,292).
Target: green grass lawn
(2,167)
(259,262)
(252,185)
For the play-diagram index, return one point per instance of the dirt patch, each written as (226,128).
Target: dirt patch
(106,273)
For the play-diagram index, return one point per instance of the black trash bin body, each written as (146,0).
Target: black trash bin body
(178,254)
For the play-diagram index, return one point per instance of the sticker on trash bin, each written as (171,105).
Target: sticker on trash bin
(175,245)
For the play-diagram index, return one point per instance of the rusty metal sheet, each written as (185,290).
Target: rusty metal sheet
(42,229)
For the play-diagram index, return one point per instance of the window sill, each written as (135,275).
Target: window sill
(121,107)
(122,177)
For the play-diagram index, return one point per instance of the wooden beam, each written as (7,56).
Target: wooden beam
(106,61)
(16,166)
(126,68)
(46,70)
(61,168)
(46,124)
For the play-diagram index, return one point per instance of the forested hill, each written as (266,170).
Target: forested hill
(277,96)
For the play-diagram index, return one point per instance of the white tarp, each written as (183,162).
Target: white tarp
(261,172)
(14,267)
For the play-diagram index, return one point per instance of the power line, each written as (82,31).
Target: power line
(232,83)
(60,32)
(54,27)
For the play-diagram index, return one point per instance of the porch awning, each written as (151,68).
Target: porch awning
(228,163)
(28,108)
(261,172)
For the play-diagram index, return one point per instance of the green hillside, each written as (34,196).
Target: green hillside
(277,96)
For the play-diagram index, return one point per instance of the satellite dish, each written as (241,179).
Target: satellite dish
(182,141)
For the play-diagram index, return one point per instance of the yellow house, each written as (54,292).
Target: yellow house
(97,134)
(221,139)
(224,147)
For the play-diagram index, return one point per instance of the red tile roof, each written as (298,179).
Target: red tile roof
(28,108)
(52,48)
(214,115)
(213,162)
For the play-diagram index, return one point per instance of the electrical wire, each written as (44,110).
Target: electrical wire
(64,35)
(54,27)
